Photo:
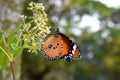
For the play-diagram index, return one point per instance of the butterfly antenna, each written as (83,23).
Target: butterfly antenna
(56,32)
(57,27)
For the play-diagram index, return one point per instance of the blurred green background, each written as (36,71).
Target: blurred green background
(99,45)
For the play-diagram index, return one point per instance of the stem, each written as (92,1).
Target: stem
(12,70)
(6,54)
(19,38)
(4,41)
(6,47)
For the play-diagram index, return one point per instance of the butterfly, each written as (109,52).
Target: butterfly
(59,46)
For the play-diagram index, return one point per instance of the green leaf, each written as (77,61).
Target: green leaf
(25,36)
(18,49)
(19,27)
(14,46)
(11,32)
(3,58)
(14,49)
(30,48)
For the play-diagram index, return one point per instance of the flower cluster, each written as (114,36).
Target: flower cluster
(35,27)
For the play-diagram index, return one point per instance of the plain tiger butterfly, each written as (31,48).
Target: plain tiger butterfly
(59,46)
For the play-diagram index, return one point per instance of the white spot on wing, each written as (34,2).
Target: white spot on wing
(74,48)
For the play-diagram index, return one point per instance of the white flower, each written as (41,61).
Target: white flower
(37,28)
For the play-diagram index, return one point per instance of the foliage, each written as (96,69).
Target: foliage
(10,47)
(32,31)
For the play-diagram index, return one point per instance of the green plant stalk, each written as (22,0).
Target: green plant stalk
(12,69)
(11,64)
(9,56)
(10,59)
(19,38)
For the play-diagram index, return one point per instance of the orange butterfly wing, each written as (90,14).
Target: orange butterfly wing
(59,46)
